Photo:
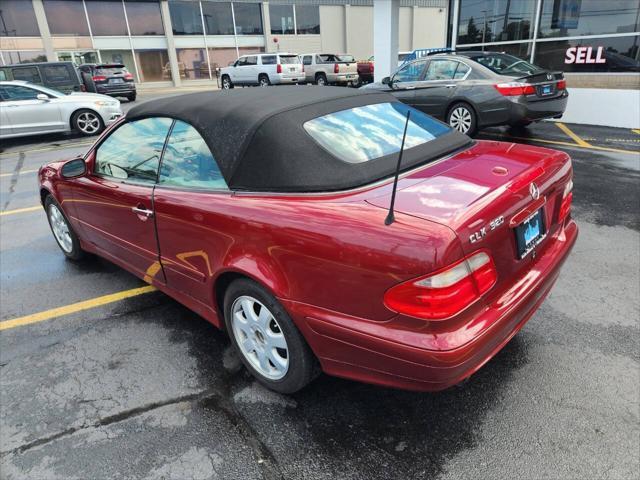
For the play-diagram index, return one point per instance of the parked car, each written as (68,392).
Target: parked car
(28,109)
(473,90)
(270,223)
(109,79)
(365,67)
(61,76)
(263,70)
(329,68)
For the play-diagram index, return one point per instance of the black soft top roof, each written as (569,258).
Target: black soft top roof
(258,139)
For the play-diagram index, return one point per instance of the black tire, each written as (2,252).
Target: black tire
(458,114)
(263,80)
(87,122)
(132,97)
(302,364)
(226,83)
(75,252)
(321,79)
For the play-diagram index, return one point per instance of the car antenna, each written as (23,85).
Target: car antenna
(390,218)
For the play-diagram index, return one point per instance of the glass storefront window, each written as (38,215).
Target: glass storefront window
(66,17)
(217,18)
(144,17)
(185,17)
(154,65)
(192,63)
(248,18)
(17,19)
(613,54)
(281,19)
(520,50)
(106,17)
(33,56)
(307,19)
(125,57)
(78,57)
(569,18)
(495,20)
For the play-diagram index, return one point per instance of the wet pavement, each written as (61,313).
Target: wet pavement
(144,388)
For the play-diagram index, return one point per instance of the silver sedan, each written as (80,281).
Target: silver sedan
(28,109)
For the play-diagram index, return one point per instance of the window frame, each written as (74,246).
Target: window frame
(453,79)
(92,155)
(21,99)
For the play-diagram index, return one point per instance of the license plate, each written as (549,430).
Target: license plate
(116,80)
(530,233)
(350,76)
(546,90)
(292,69)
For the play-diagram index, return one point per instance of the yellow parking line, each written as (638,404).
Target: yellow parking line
(566,144)
(22,172)
(572,135)
(20,210)
(74,308)
(636,130)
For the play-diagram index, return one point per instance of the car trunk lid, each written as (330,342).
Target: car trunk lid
(483,194)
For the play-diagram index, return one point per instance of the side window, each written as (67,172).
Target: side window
(241,62)
(3,75)
(410,72)
(188,162)
(28,74)
(132,152)
(15,92)
(252,60)
(269,60)
(306,60)
(441,70)
(56,73)
(461,71)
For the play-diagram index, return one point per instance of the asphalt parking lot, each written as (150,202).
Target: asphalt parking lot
(134,385)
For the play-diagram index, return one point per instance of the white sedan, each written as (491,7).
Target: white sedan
(28,109)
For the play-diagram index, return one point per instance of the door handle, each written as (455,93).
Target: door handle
(451,85)
(140,210)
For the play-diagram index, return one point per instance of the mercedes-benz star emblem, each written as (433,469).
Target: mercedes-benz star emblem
(534,191)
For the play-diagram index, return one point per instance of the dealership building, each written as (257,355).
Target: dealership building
(182,42)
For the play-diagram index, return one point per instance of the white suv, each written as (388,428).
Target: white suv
(263,69)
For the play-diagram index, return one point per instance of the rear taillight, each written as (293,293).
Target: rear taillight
(513,89)
(561,85)
(278,68)
(567,198)
(336,68)
(99,78)
(128,76)
(445,293)
(302,68)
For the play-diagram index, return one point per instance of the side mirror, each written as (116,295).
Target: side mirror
(43,97)
(386,81)
(73,168)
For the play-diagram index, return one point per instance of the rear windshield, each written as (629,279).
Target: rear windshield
(365,133)
(331,58)
(504,64)
(111,70)
(287,59)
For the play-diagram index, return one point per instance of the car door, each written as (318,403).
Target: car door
(307,67)
(439,86)
(27,114)
(236,71)
(250,70)
(190,204)
(114,201)
(404,81)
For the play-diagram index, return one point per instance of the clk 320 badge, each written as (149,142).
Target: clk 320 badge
(480,234)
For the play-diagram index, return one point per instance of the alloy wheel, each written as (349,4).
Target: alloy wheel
(321,81)
(264,82)
(60,228)
(226,83)
(88,122)
(460,119)
(260,338)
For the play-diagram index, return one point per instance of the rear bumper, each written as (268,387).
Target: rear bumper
(342,77)
(115,90)
(389,354)
(286,78)
(527,111)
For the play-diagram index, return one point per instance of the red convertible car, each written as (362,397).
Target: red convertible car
(263,210)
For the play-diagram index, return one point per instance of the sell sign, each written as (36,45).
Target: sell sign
(584,55)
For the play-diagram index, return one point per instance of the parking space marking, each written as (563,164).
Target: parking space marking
(20,210)
(636,130)
(74,307)
(572,135)
(557,142)
(46,149)
(22,172)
